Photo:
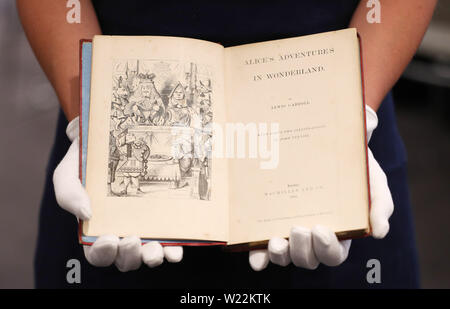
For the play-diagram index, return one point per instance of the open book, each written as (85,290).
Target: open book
(187,142)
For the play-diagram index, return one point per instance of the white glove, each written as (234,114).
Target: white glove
(307,248)
(127,253)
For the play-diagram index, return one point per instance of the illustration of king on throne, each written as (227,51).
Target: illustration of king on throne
(147,103)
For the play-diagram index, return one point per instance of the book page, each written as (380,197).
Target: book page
(302,98)
(148,169)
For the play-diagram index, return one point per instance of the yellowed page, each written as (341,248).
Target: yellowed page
(145,107)
(316,98)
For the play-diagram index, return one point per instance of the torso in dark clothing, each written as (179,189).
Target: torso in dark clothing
(233,23)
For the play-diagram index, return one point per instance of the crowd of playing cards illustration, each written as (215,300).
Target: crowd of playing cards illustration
(160,130)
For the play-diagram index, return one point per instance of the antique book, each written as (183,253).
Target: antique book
(187,142)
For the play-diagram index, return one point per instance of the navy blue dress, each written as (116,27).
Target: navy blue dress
(233,23)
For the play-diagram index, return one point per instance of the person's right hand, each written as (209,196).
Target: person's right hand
(307,248)
(126,253)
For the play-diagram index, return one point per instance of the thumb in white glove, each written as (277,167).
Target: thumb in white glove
(307,248)
(126,253)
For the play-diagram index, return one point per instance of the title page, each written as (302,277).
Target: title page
(304,96)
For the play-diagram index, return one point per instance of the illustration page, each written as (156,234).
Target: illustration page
(150,171)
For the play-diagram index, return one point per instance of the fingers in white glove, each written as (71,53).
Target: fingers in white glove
(382,204)
(279,251)
(327,248)
(73,129)
(371,121)
(152,254)
(301,248)
(259,259)
(103,251)
(173,254)
(306,248)
(129,255)
(69,191)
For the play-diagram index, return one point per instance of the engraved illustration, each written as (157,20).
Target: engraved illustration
(160,137)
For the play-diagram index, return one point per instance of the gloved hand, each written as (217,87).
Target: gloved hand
(307,248)
(126,253)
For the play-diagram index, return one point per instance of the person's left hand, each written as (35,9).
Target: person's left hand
(307,248)
(126,253)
